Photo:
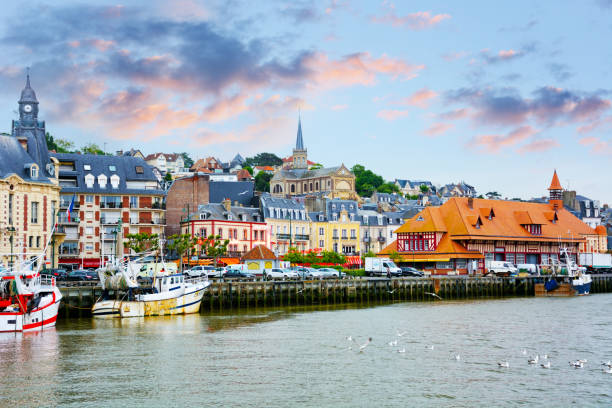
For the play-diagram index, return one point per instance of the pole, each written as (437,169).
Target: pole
(53,240)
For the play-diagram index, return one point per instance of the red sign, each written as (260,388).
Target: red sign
(91,263)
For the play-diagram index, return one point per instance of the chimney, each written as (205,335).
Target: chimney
(23,141)
(119,153)
(227,204)
(471,202)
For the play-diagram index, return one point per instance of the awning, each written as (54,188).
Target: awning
(353,260)
(229,261)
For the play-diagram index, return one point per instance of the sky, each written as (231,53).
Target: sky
(496,94)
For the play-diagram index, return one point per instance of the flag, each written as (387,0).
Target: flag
(70,207)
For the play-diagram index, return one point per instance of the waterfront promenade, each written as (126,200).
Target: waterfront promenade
(242,295)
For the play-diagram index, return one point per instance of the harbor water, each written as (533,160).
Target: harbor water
(300,356)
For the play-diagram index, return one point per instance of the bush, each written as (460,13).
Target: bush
(354,272)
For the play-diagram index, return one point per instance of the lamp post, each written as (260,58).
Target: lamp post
(11,230)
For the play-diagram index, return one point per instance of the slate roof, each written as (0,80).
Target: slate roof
(335,206)
(267,202)
(216,211)
(303,173)
(241,191)
(14,159)
(125,168)
(299,142)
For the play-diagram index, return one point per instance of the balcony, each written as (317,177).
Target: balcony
(109,221)
(284,237)
(64,220)
(136,221)
(367,240)
(382,239)
(158,206)
(111,206)
(299,237)
(66,204)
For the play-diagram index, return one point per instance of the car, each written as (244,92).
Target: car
(218,272)
(237,273)
(502,268)
(303,272)
(81,275)
(275,274)
(329,273)
(199,270)
(410,271)
(57,273)
(290,274)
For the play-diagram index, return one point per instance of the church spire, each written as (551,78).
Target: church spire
(556,192)
(299,143)
(28,94)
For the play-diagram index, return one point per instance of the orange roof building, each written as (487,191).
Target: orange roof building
(465,234)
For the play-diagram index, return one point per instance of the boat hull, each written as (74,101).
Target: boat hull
(42,317)
(582,289)
(186,303)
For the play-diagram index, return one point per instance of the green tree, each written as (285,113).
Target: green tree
(187,160)
(168,177)
(249,169)
(264,159)
(332,257)
(316,166)
(369,254)
(181,243)
(262,181)
(59,145)
(388,187)
(493,195)
(424,189)
(215,247)
(395,256)
(364,179)
(92,148)
(293,256)
(141,242)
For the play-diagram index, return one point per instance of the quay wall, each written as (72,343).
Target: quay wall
(78,299)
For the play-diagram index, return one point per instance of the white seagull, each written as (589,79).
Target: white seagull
(546,365)
(503,364)
(576,364)
(524,352)
(608,370)
(349,338)
(400,334)
(429,347)
(393,343)
(607,364)
(402,350)
(534,360)
(458,357)
(364,345)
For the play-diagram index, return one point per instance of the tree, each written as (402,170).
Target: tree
(293,256)
(215,247)
(249,169)
(181,243)
(395,256)
(168,177)
(141,242)
(493,195)
(316,166)
(369,254)
(92,148)
(424,188)
(264,159)
(59,145)
(262,181)
(187,160)
(332,257)
(388,188)
(365,180)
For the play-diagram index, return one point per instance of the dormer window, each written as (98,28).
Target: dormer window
(534,229)
(114,181)
(102,180)
(34,172)
(139,170)
(321,218)
(112,168)
(89,180)
(420,218)
(87,167)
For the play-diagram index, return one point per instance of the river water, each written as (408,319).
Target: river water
(300,357)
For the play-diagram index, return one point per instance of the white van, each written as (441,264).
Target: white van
(502,268)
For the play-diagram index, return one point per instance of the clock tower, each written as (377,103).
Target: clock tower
(28,104)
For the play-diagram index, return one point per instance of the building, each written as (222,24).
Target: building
(260,259)
(29,189)
(187,193)
(166,162)
(377,229)
(114,196)
(288,223)
(207,165)
(457,190)
(244,227)
(464,234)
(336,228)
(332,182)
(589,211)
(413,187)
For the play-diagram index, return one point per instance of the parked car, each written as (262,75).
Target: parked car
(410,271)
(57,273)
(303,272)
(199,270)
(81,275)
(289,274)
(329,273)
(275,274)
(502,268)
(237,273)
(218,272)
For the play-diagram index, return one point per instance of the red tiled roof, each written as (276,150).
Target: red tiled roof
(554,184)
(260,252)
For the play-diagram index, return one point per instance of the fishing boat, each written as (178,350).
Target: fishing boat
(168,294)
(566,279)
(28,301)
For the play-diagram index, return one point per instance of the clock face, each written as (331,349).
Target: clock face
(28,108)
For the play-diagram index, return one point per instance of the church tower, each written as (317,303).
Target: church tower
(556,193)
(300,155)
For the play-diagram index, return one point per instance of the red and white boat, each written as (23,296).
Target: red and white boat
(28,301)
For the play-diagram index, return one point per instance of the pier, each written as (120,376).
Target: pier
(79,298)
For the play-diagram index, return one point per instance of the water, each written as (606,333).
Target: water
(300,357)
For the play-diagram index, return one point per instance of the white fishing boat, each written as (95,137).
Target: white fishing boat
(169,294)
(567,278)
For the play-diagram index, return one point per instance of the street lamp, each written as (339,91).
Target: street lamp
(11,230)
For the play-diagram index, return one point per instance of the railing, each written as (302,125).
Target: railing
(381,239)
(111,205)
(158,206)
(64,204)
(109,222)
(64,220)
(300,237)
(283,236)
(366,239)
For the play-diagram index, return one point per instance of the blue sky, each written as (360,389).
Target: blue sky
(497,95)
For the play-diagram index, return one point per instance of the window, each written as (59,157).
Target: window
(10,209)
(335,234)
(38,242)
(321,243)
(112,168)
(89,215)
(133,202)
(89,247)
(89,231)
(343,234)
(353,234)
(30,241)
(102,180)
(89,199)
(114,181)
(34,172)
(139,170)
(321,231)
(87,167)
(34,214)
(89,180)
(220,233)
(244,234)
(255,235)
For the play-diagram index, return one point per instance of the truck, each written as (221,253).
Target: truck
(596,262)
(502,268)
(381,267)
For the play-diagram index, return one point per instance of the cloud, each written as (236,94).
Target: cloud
(224,109)
(548,105)
(540,145)
(392,114)
(452,56)
(601,124)
(454,114)
(492,143)
(526,27)
(438,129)
(339,107)
(560,72)
(598,146)
(420,98)
(300,13)
(414,21)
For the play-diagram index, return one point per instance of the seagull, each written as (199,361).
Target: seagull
(349,338)
(403,350)
(608,370)
(547,365)
(458,357)
(364,345)
(434,295)
(583,361)
(524,352)
(244,192)
(429,347)
(533,360)
(503,364)
(391,291)
(608,364)
(393,343)
(400,334)
(545,357)
(576,364)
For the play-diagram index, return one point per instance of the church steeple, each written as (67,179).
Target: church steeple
(300,155)
(556,192)
(28,104)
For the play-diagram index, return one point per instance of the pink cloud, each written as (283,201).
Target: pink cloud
(454,55)
(339,107)
(455,114)
(597,145)
(541,145)
(492,143)
(414,21)
(507,54)
(420,98)
(225,108)
(438,129)
(101,45)
(392,114)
